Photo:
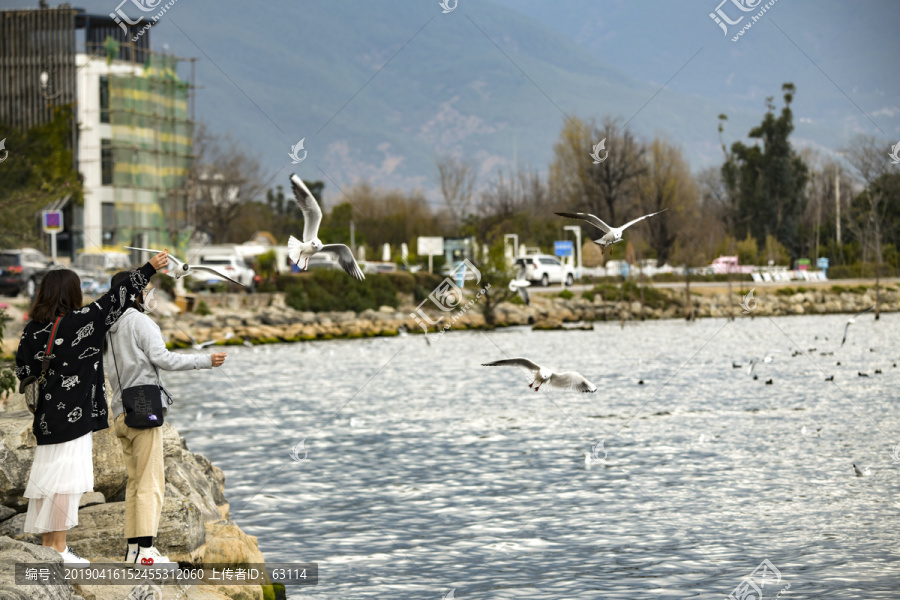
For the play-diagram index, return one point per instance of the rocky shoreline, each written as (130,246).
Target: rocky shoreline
(195,527)
(269,320)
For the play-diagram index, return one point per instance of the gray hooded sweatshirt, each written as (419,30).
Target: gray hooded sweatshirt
(140,351)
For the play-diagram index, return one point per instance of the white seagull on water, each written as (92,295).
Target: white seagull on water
(852,320)
(179,269)
(862,471)
(568,380)
(613,234)
(302,251)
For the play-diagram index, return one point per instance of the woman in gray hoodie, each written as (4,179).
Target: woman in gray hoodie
(134,353)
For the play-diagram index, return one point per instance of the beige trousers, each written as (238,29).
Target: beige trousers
(142,450)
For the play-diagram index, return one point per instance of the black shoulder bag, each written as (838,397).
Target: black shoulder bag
(31,385)
(142,403)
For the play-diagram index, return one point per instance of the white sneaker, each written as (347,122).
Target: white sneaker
(131,553)
(70,558)
(150,557)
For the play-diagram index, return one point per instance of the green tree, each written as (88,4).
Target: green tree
(748,251)
(37,171)
(768,181)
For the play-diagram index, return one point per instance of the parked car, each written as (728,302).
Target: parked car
(21,270)
(233,266)
(105,261)
(324,261)
(545,269)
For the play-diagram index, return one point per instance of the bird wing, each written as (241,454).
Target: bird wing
(514,362)
(143,249)
(595,221)
(172,260)
(846,327)
(570,380)
(214,272)
(345,259)
(312,214)
(178,265)
(207,343)
(862,312)
(523,293)
(630,223)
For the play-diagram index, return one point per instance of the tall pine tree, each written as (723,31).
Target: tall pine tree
(767,181)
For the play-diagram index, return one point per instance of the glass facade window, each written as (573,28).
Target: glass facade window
(108,221)
(106,162)
(104,99)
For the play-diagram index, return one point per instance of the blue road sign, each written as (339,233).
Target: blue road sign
(563,248)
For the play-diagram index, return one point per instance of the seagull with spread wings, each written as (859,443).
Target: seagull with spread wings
(852,320)
(195,345)
(613,234)
(520,284)
(179,269)
(568,380)
(301,251)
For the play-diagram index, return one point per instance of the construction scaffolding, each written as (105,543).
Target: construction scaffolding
(37,64)
(150,150)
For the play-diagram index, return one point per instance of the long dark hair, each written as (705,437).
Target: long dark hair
(118,279)
(58,294)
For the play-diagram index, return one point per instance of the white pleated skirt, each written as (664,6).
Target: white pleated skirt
(60,474)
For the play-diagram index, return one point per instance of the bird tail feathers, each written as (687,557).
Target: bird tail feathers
(294,249)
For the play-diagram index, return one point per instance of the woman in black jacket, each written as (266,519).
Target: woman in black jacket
(72,402)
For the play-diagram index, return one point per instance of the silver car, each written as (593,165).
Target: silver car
(231,265)
(545,269)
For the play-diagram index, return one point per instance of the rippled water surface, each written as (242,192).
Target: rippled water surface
(426,472)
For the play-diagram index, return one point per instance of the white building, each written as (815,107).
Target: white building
(97,217)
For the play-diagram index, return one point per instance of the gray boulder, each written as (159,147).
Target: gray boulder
(192,477)
(12,552)
(18,453)
(100,531)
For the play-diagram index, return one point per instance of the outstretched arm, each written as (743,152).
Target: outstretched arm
(150,340)
(112,305)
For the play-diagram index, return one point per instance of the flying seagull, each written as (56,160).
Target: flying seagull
(520,285)
(852,320)
(200,346)
(179,269)
(766,359)
(613,234)
(302,251)
(568,380)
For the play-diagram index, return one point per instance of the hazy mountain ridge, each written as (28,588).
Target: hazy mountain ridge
(331,73)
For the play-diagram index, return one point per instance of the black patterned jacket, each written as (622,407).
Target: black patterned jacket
(73,398)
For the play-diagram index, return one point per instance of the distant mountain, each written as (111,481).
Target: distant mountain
(380,89)
(834,51)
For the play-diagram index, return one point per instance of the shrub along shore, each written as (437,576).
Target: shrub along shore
(271,318)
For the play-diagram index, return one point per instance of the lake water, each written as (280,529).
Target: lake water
(425,472)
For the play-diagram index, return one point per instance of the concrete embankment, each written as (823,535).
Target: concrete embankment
(265,318)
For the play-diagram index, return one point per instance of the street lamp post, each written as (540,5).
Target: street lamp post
(577,231)
(515,239)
